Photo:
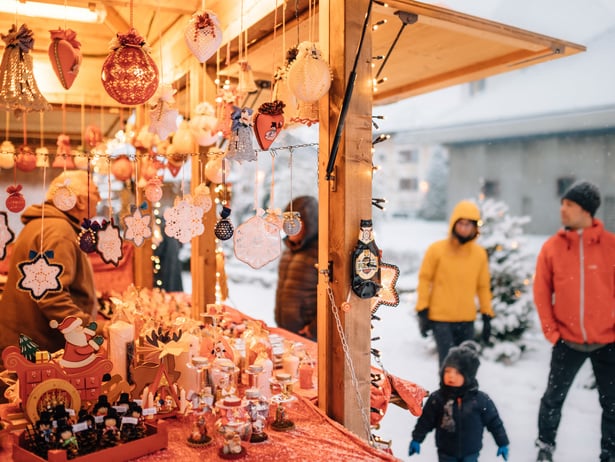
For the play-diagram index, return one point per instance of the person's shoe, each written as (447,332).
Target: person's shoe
(545,451)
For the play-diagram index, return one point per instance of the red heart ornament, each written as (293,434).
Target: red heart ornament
(267,127)
(65,55)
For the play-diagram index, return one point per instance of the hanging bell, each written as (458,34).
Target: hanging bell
(224,228)
(240,142)
(246,79)
(292,223)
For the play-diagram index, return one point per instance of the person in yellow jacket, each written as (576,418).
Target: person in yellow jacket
(453,274)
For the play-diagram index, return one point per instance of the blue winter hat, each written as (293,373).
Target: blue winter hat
(586,194)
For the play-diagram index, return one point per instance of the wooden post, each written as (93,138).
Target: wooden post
(343,202)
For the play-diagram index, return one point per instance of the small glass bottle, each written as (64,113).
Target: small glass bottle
(366,263)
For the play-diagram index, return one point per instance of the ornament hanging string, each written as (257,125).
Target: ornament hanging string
(41,128)
(7,121)
(290,163)
(43,208)
(256,183)
(271,194)
(275,29)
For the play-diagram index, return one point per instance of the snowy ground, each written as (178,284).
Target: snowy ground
(516,388)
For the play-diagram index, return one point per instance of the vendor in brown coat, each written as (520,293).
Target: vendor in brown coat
(295,298)
(20,312)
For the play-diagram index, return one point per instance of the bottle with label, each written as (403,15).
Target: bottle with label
(365,279)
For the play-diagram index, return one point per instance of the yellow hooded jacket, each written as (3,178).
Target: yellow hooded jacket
(452,275)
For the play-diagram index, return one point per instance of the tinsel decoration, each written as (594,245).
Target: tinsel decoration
(65,55)
(240,142)
(203,35)
(224,228)
(268,123)
(18,90)
(129,74)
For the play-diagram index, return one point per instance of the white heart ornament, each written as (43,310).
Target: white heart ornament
(203,35)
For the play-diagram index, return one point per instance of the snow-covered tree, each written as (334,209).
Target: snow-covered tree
(434,203)
(28,347)
(511,267)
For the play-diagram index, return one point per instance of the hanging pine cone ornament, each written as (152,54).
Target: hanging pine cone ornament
(268,123)
(203,35)
(26,159)
(224,228)
(18,90)
(65,55)
(15,202)
(291,223)
(129,75)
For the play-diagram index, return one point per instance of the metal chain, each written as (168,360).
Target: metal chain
(349,364)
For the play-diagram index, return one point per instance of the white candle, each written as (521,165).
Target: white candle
(290,364)
(263,379)
(188,379)
(121,334)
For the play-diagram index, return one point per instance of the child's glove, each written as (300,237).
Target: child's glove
(486,335)
(415,448)
(503,451)
(424,322)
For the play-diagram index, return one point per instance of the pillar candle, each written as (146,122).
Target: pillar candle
(263,379)
(121,334)
(188,379)
(306,373)
(290,364)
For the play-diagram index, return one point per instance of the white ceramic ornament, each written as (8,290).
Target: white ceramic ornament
(257,242)
(203,35)
(109,243)
(138,227)
(64,198)
(309,77)
(183,220)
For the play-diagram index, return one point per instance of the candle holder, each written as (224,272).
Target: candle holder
(235,425)
(258,408)
(285,383)
(203,399)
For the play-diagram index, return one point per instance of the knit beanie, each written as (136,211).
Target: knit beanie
(464,358)
(586,194)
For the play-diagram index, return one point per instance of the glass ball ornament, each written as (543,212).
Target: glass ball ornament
(121,168)
(153,190)
(214,169)
(224,228)
(291,223)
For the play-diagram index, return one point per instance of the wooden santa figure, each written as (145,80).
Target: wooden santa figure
(82,343)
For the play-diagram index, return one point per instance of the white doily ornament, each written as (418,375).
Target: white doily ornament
(64,198)
(203,35)
(109,243)
(202,197)
(257,242)
(162,113)
(39,276)
(6,234)
(138,227)
(204,124)
(183,220)
(309,79)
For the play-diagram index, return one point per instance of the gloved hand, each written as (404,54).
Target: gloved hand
(486,335)
(424,322)
(415,448)
(503,451)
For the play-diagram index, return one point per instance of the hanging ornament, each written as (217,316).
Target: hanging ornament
(183,141)
(257,242)
(42,157)
(240,142)
(153,190)
(121,168)
(216,168)
(64,198)
(92,136)
(109,243)
(138,227)
(64,154)
(291,223)
(15,202)
(387,295)
(203,35)
(162,113)
(6,234)
(224,228)
(274,217)
(150,166)
(80,158)
(26,159)
(39,276)
(175,160)
(226,100)
(65,55)
(246,78)
(202,197)
(87,235)
(183,221)
(203,124)
(129,75)
(7,155)
(18,90)
(268,123)
(282,93)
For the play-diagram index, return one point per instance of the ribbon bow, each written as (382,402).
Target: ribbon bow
(204,21)
(66,34)
(22,38)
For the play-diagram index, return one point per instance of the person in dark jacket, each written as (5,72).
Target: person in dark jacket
(295,298)
(459,411)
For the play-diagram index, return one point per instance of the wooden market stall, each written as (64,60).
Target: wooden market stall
(422,48)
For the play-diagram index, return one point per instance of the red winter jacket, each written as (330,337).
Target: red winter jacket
(574,286)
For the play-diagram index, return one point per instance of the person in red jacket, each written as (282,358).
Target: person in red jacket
(574,293)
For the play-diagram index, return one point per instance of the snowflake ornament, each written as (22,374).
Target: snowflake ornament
(184,220)
(109,243)
(257,241)
(162,113)
(138,227)
(6,235)
(64,198)
(39,276)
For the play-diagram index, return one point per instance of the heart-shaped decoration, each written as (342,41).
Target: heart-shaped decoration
(203,35)
(65,55)
(268,123)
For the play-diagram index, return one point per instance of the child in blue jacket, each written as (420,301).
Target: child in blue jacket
(459,411)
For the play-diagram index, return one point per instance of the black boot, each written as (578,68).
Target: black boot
(545,451)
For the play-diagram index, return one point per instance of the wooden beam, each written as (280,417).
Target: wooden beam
(343,202)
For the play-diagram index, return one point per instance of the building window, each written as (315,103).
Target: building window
(408,156)
(563,183)
(409,184)
(491,188)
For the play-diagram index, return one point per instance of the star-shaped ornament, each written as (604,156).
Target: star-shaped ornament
(387,295)
(109,243)
(184,220)
(6,235)
(138,227)
(162,113)
(39,276)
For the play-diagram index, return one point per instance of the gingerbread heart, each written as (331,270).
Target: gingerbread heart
(267,127)
(65,55)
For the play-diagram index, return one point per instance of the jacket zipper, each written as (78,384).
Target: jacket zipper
(582,289)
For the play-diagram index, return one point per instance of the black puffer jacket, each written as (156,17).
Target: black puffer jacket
(295,299)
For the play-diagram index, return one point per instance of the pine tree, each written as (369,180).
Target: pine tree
(434,203)
(28,347)
(511,267)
